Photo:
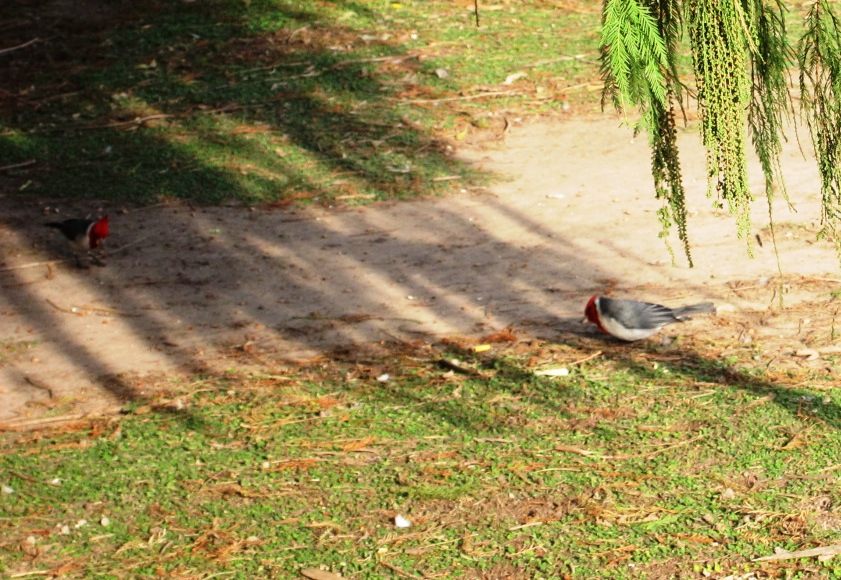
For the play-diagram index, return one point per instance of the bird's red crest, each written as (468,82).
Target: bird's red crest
(99,231)
(591,311)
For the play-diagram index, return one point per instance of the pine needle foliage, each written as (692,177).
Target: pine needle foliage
(719,41)
(637,53)
(637,38)
(770,103)
(741,56)
(820,87)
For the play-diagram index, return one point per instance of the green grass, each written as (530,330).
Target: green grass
(273,101)
(648,465)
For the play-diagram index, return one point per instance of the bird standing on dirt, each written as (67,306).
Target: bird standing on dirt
(84,235)
(630,320)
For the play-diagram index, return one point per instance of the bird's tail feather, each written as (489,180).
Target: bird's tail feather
(703,308)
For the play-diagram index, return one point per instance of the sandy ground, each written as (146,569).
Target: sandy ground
(186,289)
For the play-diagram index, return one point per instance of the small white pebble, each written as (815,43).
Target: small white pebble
(105,521)
(401,522)
(383,378)
(8,489)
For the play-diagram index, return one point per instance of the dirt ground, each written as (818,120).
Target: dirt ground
(191,290)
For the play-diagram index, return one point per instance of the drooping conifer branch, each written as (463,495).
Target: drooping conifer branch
(740,61)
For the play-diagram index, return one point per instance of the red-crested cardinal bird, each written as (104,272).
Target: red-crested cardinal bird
(631,320)
(84,235)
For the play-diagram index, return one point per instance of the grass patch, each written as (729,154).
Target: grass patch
(637,464)
(272,101)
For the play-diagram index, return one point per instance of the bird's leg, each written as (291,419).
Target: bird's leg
(80,263)
(96,260)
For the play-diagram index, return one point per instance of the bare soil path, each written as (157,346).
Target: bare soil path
(188,290)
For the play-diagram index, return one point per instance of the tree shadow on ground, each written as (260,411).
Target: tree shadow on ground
(458,384)
(200,288)
(207,102)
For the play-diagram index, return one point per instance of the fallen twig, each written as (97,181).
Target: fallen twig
(396,570)
(24,45)
(40,422)
(528,525)
(579,451)
(670,447)
(21,164)
(32,265)
(26,477)
(72,310)
(55,97)
(583,86)
(272,67)
(373,59)
(137,121)
(39,385)
(98,310)
(554,60)
(125,246)
(462,98)
(316,574)
(823,551)
(586,358)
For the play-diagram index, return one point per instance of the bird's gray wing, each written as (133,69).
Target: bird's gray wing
(634,314)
